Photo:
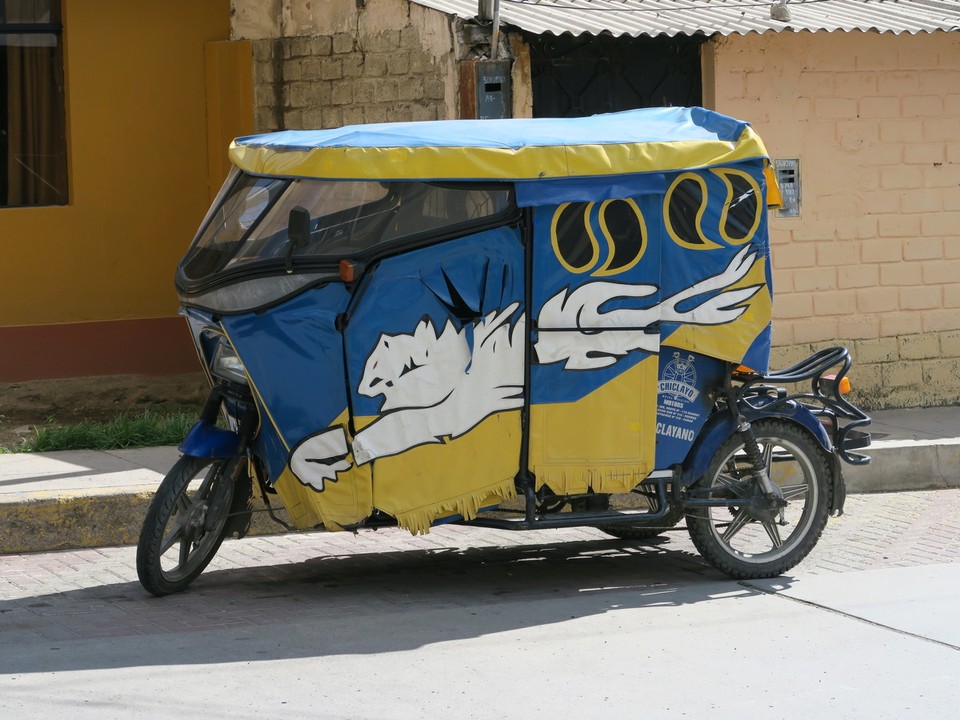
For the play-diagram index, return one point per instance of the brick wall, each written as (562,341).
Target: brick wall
(873,261)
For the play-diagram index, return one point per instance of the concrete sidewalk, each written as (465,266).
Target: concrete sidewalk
(71,499)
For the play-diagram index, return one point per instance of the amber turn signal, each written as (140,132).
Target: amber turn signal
(347,271)
(844,387)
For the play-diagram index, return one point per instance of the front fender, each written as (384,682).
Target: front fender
(722,425)
(208,441)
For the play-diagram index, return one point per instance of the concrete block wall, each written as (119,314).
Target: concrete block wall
(873,261)
(322,65)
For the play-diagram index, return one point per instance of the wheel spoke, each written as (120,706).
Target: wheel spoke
(792,491)
(184,504)
(176,532)
(773,532)
(205,485)
(767,455)
(736,525)
(184,551)
(726,481)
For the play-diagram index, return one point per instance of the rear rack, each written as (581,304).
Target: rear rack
(824,400)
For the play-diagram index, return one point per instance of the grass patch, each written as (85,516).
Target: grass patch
(145,429)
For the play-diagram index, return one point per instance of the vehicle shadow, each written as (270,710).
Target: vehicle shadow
(350,604)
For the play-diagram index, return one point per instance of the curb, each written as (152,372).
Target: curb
(900,465)
(81,498)
(87,521)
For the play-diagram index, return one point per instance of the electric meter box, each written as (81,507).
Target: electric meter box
(788,180)
(494,99)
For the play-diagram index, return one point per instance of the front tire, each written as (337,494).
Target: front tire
(185,525)
(750,541)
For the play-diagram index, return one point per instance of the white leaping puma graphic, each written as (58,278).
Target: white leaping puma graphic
(438,385)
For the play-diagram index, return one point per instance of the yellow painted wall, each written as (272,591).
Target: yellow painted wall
(137,145)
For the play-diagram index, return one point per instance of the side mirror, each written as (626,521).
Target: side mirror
(298,233)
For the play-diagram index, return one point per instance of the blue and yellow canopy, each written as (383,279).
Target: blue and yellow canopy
(635,141)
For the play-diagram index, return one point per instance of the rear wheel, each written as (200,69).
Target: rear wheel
(185,524)
(757,541)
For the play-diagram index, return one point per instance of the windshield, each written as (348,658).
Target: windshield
(347,219)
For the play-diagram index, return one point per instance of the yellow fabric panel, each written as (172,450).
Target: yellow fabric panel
(298,500)
(455,477)
(528,162)
(774,198)
(605,441)
(344,502)
(730,341)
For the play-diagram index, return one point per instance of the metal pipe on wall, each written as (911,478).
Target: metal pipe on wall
(495,38)
(489,10)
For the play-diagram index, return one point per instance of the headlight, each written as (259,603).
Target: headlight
(227,365)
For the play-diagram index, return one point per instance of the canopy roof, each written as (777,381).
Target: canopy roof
(635,141)
(721,17)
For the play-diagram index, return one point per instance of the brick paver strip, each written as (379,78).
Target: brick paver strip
(265,580)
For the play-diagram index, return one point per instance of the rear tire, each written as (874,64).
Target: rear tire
(752,542)
(182,532)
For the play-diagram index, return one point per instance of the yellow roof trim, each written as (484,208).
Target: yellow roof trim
(528,162)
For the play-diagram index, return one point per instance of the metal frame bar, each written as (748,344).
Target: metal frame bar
(824,399)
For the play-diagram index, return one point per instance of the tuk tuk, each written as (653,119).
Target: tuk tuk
(512,323)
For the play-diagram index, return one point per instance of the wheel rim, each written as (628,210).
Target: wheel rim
(759,536)
(187,543)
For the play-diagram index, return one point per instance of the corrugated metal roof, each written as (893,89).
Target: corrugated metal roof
(709,17)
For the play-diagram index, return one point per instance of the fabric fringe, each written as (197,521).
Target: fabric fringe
(419,520)
(573,480)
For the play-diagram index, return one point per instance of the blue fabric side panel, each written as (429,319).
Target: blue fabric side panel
(459,281)
(294,355)
(683,403)
(531,193)
(553,382)
(757,356)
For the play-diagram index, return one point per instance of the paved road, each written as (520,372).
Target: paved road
(469,623)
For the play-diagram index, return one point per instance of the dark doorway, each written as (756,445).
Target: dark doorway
(589,74)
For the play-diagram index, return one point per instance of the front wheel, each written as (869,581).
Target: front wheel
(758,541)
(185,524)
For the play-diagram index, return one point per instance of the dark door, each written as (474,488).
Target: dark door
(586,75)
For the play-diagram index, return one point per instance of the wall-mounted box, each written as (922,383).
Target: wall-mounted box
(493,89)
(788,179)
